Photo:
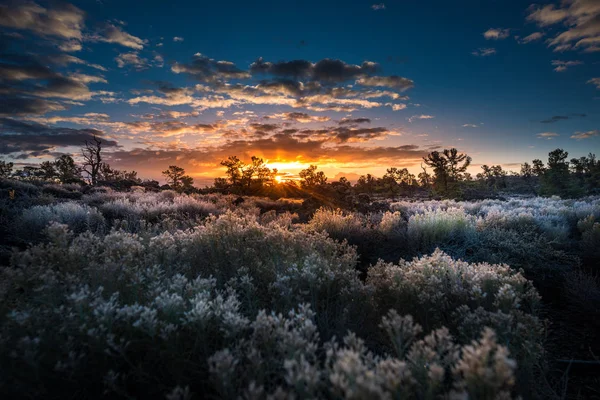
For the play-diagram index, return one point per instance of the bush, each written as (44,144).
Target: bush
(441,292)
(79,218)
(102,312)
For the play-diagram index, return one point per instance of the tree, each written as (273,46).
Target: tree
(493,176)
(366,184)
(234,168)
(538,168)
(66,169)
(528,175)
(47,170)
(6,169)
(448,167)
(399,178)
(92,159)
(556,179)
(311,178)
(457,163)
(177,178)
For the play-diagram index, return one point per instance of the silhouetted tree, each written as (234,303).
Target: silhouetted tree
(92,159)
(366,184)
(66,169)
(555,179)
(6,169)
(234,168)
(177,178)
(311,178)
(47,171)
(448,167)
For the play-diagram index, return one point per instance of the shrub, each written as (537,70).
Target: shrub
(435,227)
(439,291)
(79,218)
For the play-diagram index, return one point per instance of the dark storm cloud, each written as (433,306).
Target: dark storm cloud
(326,70)
(206,69)
(24,79)
(293,69)
(27,137)
(344,134)
(19,106)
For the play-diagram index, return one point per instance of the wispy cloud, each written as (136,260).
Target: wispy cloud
(470,126)
(379,6)
(531,38)
(484,51)
(111,33)
(496,33)
(178,39)
(422,116)
(579,24)
(595,82)
(562,66)
(547,135)
(556,118)
(585,135)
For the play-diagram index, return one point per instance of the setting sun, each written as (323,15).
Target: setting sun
(278,179)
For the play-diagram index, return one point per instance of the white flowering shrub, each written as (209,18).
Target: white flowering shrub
(439,291)
(215,311)
(283,358)
(166,295)
(434,227)
(79,218)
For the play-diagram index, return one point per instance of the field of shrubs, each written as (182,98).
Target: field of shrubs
(165,295)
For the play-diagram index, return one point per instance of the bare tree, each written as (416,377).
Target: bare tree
(92,159)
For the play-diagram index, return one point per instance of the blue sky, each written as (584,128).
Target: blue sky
(174,83)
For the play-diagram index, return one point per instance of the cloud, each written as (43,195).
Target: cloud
(63,21)
(422,116)
(326,70)
(379,6)
(111,33)
(354,121)
(554,119)
(562,66)
(206,69)
(532,37)
(484,51)
(496,33)
(547,135)
(585,135)
(580,24)
(299,117)
(132,59)
(66,59)
(16,105)
(33,138)
(595,81)
(178,39)
(394,81)
(25,76)
(470,126)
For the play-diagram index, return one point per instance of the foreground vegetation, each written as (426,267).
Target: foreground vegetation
(163,294)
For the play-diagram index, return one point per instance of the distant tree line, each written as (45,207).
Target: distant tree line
(444,174)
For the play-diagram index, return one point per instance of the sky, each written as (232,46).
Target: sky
(353,87)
